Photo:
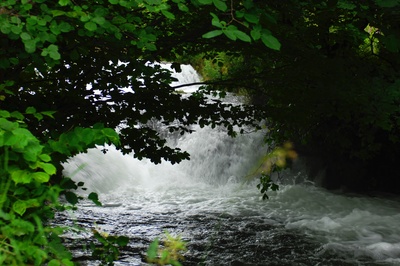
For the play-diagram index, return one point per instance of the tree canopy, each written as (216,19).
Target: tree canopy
(72,74)
(332,89)
(323,74)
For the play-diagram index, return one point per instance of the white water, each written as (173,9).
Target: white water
(352,227)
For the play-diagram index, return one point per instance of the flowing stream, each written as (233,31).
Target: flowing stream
(220,214)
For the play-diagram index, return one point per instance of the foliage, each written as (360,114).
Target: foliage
(333,89)
(64,72)
(170,254)
(108,251)
(270,164)
(82,58)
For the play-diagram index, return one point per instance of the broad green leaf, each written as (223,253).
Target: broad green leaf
(57,13)
(17,115)
(7,125)
(113,2)
(16,29)
(255,34)
(183,7)
(64,2)
(230,34)
(25,36)
(168,14)
(251,18)
(271,42)
(30,46)
(48,168)
(99,20)
(49,113)
(54,262)
(10,139)
(65,27)
(91,26)
(212,34)
(45,157)
(4,113)
(21,176)
(30,110)
(215,21)
(53,55)
(41,177)
(221,5)
(19,207)
(242,36)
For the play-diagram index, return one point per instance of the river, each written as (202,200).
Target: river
(220,214)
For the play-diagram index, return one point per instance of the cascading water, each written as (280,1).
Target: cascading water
(221,215)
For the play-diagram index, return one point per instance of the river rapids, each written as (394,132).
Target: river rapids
(220,214)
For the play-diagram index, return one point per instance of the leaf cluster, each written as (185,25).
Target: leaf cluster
(333,87)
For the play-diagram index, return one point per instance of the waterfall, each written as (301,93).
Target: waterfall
(208,201)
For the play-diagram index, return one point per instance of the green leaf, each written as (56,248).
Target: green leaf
(48,167)
(21,176)
(54,262)
(221,5)
(215,21)
(25,36)
(71,197)
(8,125)
(64,2)
(152,250)
(168,14)
(205,2)
(49,113)
(65,27)
(30,110)
(19,207)
(95,198)
(57,13)
(45,157)
(212,34)
(21,227)
(182,7)
(41,177)
(4,113)
(30,46)
(17,115)
(242,36)
(39,116)
(91,26)
(230,34)
(271,42)
(51,51)
(255,34)
(251,18)
(99,20)
(122,241)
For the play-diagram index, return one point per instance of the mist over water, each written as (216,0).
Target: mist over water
(209,202)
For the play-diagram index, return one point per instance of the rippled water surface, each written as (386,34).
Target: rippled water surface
(220,214)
